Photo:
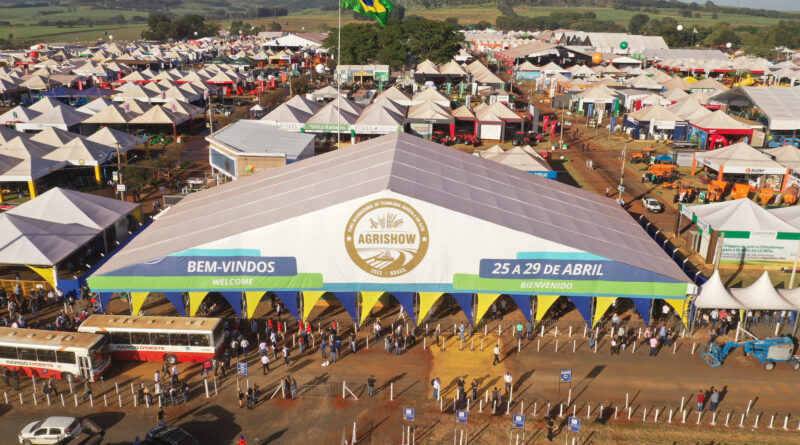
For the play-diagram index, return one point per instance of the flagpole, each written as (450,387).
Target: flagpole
(338,77)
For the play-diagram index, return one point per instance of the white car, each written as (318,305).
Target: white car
(50,431)
(652,205)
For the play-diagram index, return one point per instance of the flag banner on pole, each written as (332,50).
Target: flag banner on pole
(377,9)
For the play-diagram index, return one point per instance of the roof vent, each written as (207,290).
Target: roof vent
(68,338)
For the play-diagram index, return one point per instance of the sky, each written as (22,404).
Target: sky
(781,5)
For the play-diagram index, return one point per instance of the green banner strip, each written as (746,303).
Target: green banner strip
(788,235)
(736,234)
(185,284)
(569,287)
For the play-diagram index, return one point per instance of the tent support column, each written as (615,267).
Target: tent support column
(32,188)
(718,250)
(678,224)
(794,267)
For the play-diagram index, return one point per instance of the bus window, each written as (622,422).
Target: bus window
(65,357)
(140,338)
(159,338)
(199,340)
(8,352)
(121,338)
(179,339)
(45,355)
(217,334)
(27,354)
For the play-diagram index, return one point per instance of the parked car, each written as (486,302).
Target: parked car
(50,431)
(652,205)
(169,435)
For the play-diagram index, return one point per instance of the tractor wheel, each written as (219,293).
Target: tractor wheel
(517,142)
(796,365)
(769,366)
(171,359)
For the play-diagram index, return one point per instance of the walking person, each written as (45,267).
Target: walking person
(286,354)
(352,343)
(550,428)
(160,417)
(371,386)
(437,385)
(265,363)
(496,355)
(653,346)
(508,379)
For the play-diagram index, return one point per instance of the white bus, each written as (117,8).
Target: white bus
(59,354)
(170,339)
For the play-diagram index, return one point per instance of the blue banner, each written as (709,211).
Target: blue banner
(176,298)
(465,302)
(643,308)
(523,302)
(584,306)
(218,266)
(566,269)
(289,299)
(348,300)
(406,300)
(104,297)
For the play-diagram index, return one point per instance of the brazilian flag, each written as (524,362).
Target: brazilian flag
(378,9)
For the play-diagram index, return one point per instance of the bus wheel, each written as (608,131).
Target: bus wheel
(67,377)
(171,359)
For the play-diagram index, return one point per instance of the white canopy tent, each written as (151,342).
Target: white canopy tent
(713,294)
(762,295)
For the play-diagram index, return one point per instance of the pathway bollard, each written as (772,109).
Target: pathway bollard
(684,417)
(535,408)
(441,404)
(133,392)
(674,347)
(785,421)
(699,415)
(34,383)
(656,419)
(62,400)
(755,424)
(771,419)
(616,411)
(630,412)
(215,387)
(521,407)
(205,383)
(508,406)
(5,394)
(424,342)
(555,333)
(542,334)
(727,419)
(584,331)
(600,415)
(519,344)
(714,418)
(626,400)
(595,345)
(538,344)
(741,421)
(36,403)
(76,399)
(70,385)
(556,345)
(480,406)
(644,416)
(574,410)
(560,410)
(633,348)
(749,404)
(570,331)
(694,345)
(120,400)
(569,396)
(669,419)
(391,391)
(683,399)
(487,396)
(588,411)
(116,387)
(574,344)
(48,399)
(105,401)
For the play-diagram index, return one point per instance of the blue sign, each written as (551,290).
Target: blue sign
(597,269)
(241,368)
(408,414)
(518,421)
(574,425)
(566,376)
(461,417)
(207,263)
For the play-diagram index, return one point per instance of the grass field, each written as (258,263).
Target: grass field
(23,20)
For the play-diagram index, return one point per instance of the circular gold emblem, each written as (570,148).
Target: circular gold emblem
(386,237)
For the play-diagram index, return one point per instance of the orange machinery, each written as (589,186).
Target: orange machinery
(790,196)
(661,172)
(764,195)
(740,191)
(716,189)
(642,156)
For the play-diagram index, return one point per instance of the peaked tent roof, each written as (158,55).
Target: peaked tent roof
(409,166)
(743,156)
(288,114)
(762,295)
(111,137)
(18,114)
(713,294)
(738,215)
(54,137)
(788,156)
(62,115)
(65,206)
(719,120)
(655,112)
(26,240)
(301,103)
(81,151)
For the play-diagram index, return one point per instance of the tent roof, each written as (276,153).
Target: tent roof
(395,94)
(111,137)
(413,167)
(762,295)
(655,112)
(6,134)
(709,82)
(689,108)
(380,115)
(81,151)
(429,110)
(714,295)
(331,114)
(463,112)
(112,114)
(676,94)
(599,92)
(159,115)
(18,114)
(781,105)
(65,206)
(719,120)
(62,115)
(301,103)
(26,240)
(95,106)
(520,159)
(788,156)
(54,137)
(738,215)
(740,155)
(452,68)
(45,104)
(253,136)
(430,94)
(286,113)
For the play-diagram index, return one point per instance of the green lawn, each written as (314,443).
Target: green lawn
(623,17)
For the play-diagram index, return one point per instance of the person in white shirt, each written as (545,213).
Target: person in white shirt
(496,355)
(265,363)
(507,378)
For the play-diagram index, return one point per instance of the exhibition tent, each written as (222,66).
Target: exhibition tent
(115,138)
(788,156)
(713,294)
(738,158)
(762,295)
(63,206)
(25,240)
(401,215)
(737,217)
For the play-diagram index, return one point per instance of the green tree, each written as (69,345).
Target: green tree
(637,23)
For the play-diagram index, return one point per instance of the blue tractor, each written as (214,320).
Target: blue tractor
(767,351)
